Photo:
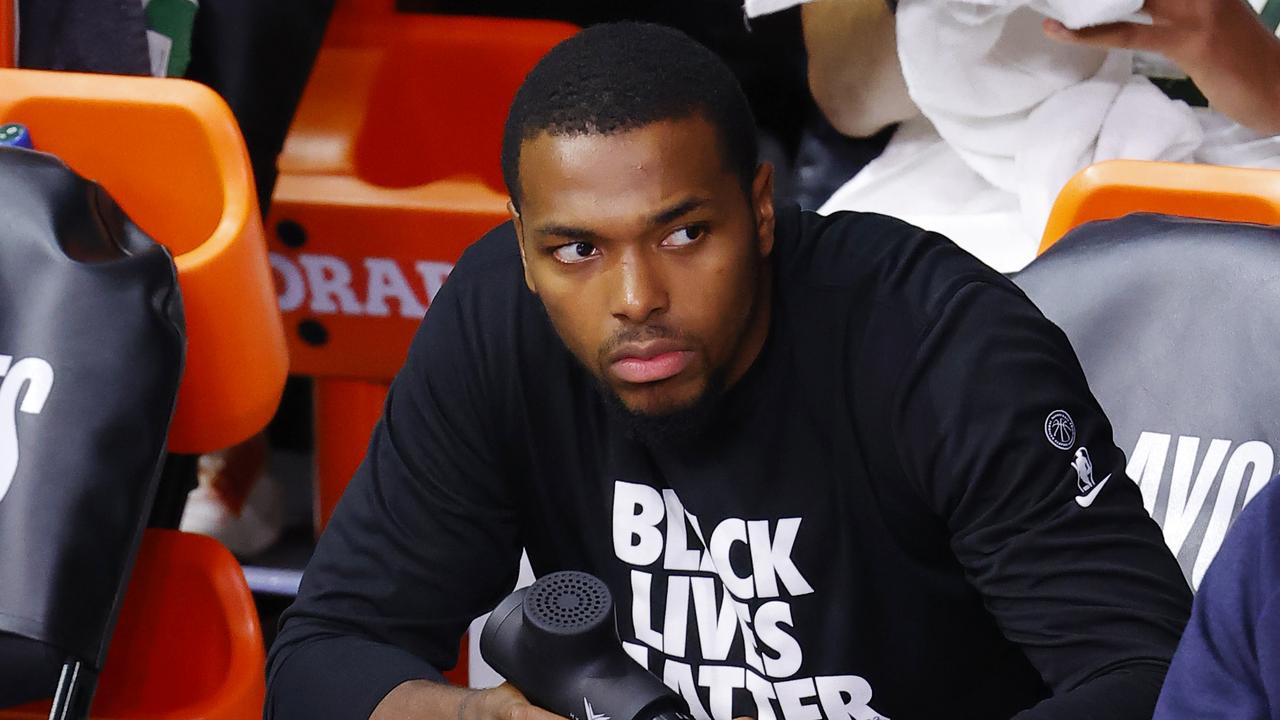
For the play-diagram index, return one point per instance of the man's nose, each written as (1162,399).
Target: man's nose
(639,291)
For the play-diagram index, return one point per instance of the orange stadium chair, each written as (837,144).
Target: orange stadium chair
(187,642)
(1117,187)
(1166,279)
(389,171)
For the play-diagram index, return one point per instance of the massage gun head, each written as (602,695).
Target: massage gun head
(557,641)
(569,603)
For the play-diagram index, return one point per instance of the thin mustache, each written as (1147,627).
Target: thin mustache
(638,335)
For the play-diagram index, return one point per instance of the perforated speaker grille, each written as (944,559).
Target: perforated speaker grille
(567,601)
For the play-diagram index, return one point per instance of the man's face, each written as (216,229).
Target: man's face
(649,258)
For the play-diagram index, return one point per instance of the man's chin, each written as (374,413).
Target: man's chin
(654,417)
(655,405)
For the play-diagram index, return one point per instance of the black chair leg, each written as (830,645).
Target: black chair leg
(176,480)
(75,692)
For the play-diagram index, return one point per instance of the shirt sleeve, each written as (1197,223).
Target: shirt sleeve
(1228,663)
(424,540)
(996,426)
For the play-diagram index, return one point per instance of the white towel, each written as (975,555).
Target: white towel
(756,8)
(920,179)
(1025,111)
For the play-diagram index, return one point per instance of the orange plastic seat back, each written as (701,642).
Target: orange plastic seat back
(438,105)
(187,644)
(170,153)
(390,170)
(188,633)
(1118,187)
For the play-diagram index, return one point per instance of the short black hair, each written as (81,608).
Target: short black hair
(615,77)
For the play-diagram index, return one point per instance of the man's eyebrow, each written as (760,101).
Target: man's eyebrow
(675,211)
(569,232)
(662,217)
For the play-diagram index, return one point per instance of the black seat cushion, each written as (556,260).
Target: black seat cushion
(91,351)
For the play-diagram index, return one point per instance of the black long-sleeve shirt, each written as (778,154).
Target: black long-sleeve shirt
(910,507)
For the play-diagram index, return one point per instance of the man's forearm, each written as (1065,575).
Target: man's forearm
(1239,71)
(1124,693)
(313,674)
(429,700)
(424,699)
(854,73)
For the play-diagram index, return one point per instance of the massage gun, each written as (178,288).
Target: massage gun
(557,642)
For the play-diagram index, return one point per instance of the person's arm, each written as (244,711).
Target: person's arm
(424,539)
(854,73)
(1228,664)
(1220,44)
(430,699)
(991,416)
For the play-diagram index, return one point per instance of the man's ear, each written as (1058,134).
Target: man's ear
(518,222)
(762,202)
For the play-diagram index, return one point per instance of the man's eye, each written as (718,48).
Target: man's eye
(574,252)
(685,236)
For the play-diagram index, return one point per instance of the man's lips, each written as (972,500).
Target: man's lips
(649,362)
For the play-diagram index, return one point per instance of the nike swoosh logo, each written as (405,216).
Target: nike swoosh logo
(1087,499)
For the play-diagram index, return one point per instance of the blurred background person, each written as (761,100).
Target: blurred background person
(1228,663)
(998,104)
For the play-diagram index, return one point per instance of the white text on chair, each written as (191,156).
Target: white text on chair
(1196,503)
(332,287)
(37,376)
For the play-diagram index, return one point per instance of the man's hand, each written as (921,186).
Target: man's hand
(427,700)
(1220,44)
